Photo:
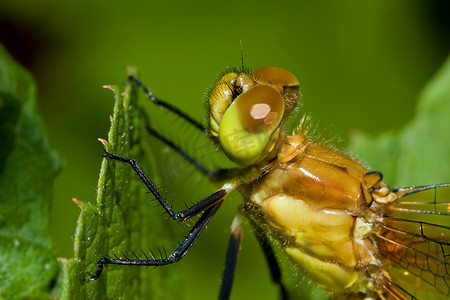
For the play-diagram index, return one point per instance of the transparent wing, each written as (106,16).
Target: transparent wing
(415,242)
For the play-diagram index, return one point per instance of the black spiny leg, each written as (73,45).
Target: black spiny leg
(234,245)
(187,156)
(166,105)
(273,264)
(275,271)
(177,216)
(175,256)
(213,175)
(232,254)
(208,206)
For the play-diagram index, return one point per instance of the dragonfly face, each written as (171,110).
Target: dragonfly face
(338,223)
(246,111)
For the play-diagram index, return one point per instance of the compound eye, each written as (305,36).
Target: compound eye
(260,108)
(228,88)
(248,124)
(284,81)
(275,76)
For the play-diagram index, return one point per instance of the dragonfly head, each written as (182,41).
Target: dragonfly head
(246,110)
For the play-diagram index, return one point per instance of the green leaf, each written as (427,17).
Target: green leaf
(121,220)
(419,153)
(28,167)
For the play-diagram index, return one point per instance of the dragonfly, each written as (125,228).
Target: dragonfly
(337,222)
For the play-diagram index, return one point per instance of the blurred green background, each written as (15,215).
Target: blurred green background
(360,64)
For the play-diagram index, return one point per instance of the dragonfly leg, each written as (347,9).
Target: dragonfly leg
(183,215)
(269,253)
(213,175)
(174,257)
(234,246)
(179,113)
(166,105)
